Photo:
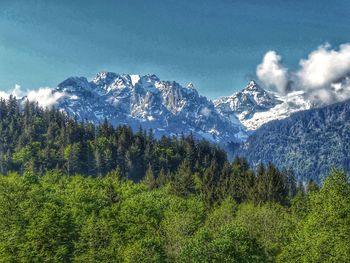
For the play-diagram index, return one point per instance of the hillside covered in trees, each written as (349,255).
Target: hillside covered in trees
(60,218)
(311,142)
(75,192)
(36,139)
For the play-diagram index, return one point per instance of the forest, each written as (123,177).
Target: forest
(72,191)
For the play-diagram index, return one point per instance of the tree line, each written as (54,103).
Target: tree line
(36,140)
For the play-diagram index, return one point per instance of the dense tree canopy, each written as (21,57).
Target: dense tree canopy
(61,218)
(35,139)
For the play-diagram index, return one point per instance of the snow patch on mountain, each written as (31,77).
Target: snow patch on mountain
(135,79)
(163,106)
(293,102)
(253,106)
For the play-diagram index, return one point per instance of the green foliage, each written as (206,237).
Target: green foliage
(183,183)
(37,140)
(149,180)
(269,223)
(49,235)
(98,240)
(71,156)
(222,214)
(229,244)
(85,193)
(61,218)
(324,233)
(181,220)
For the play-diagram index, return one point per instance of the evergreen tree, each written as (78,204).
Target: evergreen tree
(162,178)
(183,183)
(271,185)
(149,180)
(72,158)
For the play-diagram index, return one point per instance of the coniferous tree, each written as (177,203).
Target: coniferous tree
(270,185)
(149,180)
(161,178)
(183,183)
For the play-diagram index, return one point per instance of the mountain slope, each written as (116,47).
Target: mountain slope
(254,106)
(164,106)
(309,142)
(246,102)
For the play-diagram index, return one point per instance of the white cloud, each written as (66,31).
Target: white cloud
(324,66)
(323,75)
(16,91)
(272,73)
(4,95)
(46,97)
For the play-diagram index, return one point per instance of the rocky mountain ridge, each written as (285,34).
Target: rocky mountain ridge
(171,109)
(166,107)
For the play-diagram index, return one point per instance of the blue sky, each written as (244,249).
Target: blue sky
(214,44)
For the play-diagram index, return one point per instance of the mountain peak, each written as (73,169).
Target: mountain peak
(257,95)
(253,87)
(245,103)
(74,83)
(190,85)
(252,83)
(135,78)
(149,80)
(104,76)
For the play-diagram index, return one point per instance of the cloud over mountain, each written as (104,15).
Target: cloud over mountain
(324,66)
(323,75)
(16,92)
(45,97)
(272,73)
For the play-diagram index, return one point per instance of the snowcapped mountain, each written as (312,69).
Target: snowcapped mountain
(253,106)
(309,139)
(164,106)
(168,108)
